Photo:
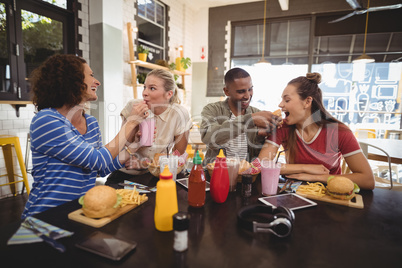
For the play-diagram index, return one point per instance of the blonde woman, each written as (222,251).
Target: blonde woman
(172,122)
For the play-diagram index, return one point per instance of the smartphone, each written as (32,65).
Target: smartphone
(184,182)
(106,245)
(291,201)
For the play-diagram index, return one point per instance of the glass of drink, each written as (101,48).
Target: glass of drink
(172,161)
(147,128)
(233,170)
(270,172)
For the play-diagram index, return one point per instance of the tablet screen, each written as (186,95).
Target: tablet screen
(184,182)
(291,201)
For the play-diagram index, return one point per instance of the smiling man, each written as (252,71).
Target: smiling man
(233,124)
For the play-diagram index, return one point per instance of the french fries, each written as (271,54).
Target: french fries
(130,197)
(316,188)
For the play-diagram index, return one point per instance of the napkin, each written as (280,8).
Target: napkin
(26,236)
(293,187)
(140,187)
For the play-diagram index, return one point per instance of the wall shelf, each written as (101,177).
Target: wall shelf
(134,63)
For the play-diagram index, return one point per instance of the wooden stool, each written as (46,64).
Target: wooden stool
(6,142)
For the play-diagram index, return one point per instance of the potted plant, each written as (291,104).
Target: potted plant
(142,53)
(141,78)
(182,63)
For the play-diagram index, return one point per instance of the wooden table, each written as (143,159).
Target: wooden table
(326,235)
(391,146)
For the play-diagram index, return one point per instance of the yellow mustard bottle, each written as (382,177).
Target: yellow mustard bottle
(165,201)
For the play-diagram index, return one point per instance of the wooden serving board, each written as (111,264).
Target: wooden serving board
(329,199)
(78,215)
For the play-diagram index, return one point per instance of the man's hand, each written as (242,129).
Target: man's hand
(265,120)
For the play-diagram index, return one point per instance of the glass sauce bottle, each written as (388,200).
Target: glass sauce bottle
(196,183)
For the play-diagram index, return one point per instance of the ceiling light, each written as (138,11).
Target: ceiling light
(262,61)
(364,58)
(284,4)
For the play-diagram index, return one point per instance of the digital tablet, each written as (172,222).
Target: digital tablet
(291,201)
(106,245)
(184,182)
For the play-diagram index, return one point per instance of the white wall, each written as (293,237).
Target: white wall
(200,66)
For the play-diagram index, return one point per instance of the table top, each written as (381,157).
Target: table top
(327,235)
(391,146)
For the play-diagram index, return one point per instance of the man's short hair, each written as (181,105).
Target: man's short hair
(235,73)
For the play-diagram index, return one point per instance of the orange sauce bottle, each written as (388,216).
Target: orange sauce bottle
(165,201)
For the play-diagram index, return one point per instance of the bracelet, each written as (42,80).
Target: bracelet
(128,150)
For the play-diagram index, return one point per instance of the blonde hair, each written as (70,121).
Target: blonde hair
(168,83)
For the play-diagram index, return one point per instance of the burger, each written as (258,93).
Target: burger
(341,187)
(279,114)
(156,158)
(244,165)
(100,201)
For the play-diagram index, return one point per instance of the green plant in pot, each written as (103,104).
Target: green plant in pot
(142,53)
(182,63)
(141,78)
(185,62)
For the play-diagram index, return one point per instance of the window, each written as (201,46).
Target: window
(286,42)
(30,32)
(286,47)
(363,96)
(151,21)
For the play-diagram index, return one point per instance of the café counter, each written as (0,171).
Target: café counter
(327,235)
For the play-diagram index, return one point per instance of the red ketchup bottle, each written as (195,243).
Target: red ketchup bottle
(196,183)
(220,179)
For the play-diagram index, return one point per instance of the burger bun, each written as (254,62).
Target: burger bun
(341,187)
(100,201)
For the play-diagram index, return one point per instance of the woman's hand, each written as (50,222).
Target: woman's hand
(316,169)
(308,177)
(139,111)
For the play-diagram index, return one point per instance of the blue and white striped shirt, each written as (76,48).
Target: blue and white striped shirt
(65,162)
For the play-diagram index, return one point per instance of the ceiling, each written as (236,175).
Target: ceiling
(214,3)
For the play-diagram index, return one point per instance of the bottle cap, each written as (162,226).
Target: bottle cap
(181,221)
(221,154)
(166,175)
(247,179)
(197,159)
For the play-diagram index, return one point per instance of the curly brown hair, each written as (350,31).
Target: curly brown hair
(58,81)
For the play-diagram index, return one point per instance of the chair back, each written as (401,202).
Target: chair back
(364,146)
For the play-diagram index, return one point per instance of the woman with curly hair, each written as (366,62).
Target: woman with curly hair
(313,139)
(66,144)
